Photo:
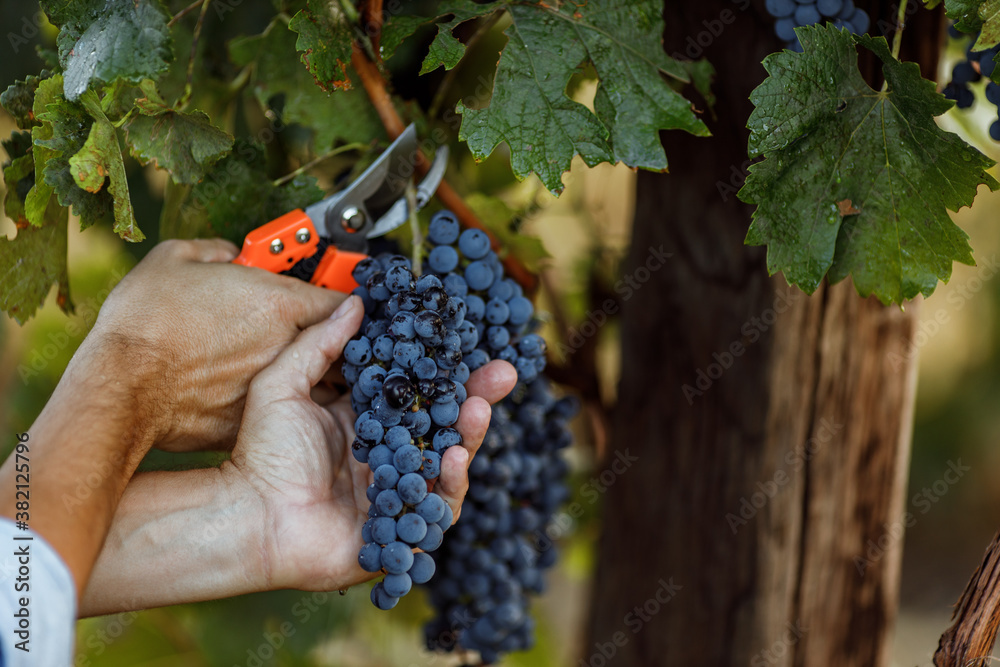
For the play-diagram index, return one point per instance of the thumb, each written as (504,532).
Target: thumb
(301,365)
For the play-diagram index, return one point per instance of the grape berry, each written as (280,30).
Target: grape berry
(792,14)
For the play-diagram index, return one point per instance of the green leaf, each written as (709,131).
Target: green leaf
(856,181)
(100,159)
(37,201)
(989,34)
(702,74)
(545,129)
(238,195)
(102,40)
(325,40)
(282,84)
(185,144)
(18,175)
(66,127)
(31,262)
(18,100)
(965,14)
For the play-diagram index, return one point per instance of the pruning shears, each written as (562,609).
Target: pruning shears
(371,206)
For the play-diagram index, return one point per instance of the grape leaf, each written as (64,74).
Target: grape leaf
(238,195)
(100,160)
(989,34)
(18,175)
(37,201)
(834,145)
(325,40)
(185,144)
(965,14)
(102,40)
(545,129)
(281,82)
(18,100)
(65,129)
(31,262)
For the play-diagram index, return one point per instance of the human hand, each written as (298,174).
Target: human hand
(294,456)
(195,330)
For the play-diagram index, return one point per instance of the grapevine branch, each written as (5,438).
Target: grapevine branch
(970,639)
(375,86)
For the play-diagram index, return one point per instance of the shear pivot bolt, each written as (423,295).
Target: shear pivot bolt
(277,246)
(352,218)
(303,235)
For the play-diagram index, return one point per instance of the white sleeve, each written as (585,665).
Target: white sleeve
(37,601)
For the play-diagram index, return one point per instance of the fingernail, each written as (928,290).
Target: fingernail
(343,309)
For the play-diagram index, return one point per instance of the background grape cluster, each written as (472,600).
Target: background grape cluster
(975,66)
(421,338)
(792,14)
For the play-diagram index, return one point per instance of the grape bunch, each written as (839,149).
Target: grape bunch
(977,64)
(792,14)
(497,551)
(421,338)
(407,382)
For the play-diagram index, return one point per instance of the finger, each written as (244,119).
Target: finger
(493,381)
(453,483)
(301,365)
(473,421)
(312,304)
(204,250)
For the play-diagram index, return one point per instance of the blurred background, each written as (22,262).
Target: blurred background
(585,232)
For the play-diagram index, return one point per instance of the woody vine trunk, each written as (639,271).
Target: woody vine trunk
(763,521)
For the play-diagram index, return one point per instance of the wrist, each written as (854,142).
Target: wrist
(113,379)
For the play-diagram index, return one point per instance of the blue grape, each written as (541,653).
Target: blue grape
(433,539)
(388,503)
(474,243)
(397,585)
(431,508)
(358,351)
(411,528)
(381,599)
(422,569)
(386,476)
(444,228)
(396,558)
(443,259)
(431,468)
(396,437)
(407,458)
(412,488)
(370,557)
(383,530)
(479,275)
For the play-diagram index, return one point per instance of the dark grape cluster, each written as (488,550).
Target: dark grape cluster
(421,338)
(977,64)
(407,380)
(496,553)
(792,14)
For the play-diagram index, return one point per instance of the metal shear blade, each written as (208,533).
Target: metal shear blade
(375,203)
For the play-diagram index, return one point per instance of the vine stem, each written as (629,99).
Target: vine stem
(897,39)
(184,12)
(418,237)
(188,88)
(312,163)
(375,87)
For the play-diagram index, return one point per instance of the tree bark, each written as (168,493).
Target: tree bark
(770,429)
